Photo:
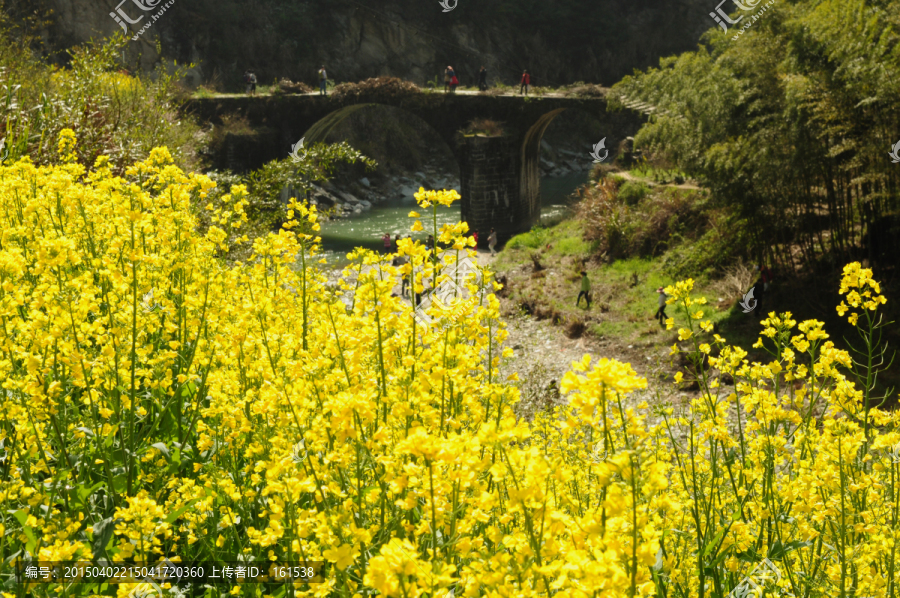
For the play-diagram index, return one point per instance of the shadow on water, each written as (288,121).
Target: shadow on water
(366,229)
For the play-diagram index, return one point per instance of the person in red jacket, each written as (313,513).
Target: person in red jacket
(526,82)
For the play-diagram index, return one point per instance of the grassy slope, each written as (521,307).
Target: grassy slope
(622,312)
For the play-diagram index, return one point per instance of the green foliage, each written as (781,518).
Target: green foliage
(314,164)
(632,220)
(533,239)
(265,211)
(631,192)
(112,113)
(789,125)
(663,176)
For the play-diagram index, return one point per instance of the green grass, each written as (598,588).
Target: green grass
(624,291)
(658,175)
(565,239)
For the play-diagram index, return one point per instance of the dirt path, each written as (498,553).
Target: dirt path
(543,354)
(629,177)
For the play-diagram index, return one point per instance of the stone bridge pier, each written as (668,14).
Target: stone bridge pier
(499,176)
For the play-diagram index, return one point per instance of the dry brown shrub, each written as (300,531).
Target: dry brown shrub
(644,229)
(484,126)
(575,329)
(586,91)
(375,89)
(288,86)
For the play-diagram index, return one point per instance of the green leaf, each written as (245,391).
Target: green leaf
(179,512)
(81,493)
(161,447)
(119,484)
(777,551)
(103,532)
(714,542)
(22,517)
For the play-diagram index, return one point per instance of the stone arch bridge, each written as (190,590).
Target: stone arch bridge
(499,176)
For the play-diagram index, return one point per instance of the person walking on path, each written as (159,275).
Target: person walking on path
(247,81)
(661,310)
(454,82)
(404,280)
(759,293)
(447,74)
(251,83)
(387,242)
(766,275)
(585,290)
(526,83)
(482,79)
(492,241)
(398,262)
(323,81)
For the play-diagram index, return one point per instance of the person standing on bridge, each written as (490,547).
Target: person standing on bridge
(454,82)
(323,81)
(526,82)
(482,79)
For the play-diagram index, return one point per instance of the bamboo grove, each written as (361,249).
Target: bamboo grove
(791,124)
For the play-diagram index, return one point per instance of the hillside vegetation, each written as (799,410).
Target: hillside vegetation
(790,126)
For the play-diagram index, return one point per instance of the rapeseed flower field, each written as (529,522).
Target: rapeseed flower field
(161,403)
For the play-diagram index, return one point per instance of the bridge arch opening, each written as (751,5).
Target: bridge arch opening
(410,153)
(571,127)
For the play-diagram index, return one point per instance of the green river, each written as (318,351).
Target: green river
(366,229)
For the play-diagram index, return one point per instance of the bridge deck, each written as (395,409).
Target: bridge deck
(459,92)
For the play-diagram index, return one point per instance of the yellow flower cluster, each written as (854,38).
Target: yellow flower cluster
(158,402)
(793,464)
(861,290)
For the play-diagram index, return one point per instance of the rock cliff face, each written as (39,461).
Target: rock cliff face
(561,41)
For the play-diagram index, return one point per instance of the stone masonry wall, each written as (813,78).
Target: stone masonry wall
(489,181)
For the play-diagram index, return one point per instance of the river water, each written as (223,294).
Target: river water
(367,228)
